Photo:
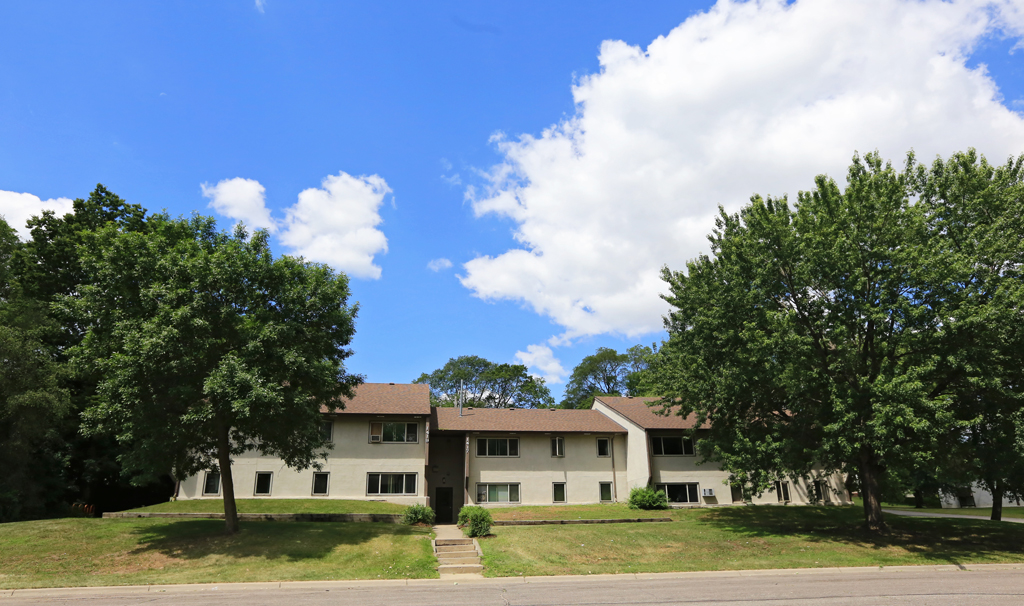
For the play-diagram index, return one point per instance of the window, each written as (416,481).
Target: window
(606,491)
(327,431)
(680,493)
(393,433)
(558,447)
(212,483)
(558,492)
(671,445)
(737,494)
(263,481)
(604,447)
(321,480)
(782,491)
(497,447)
(497,493)
(391,483)
(821,493)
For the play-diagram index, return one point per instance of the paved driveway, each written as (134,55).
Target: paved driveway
(995,585)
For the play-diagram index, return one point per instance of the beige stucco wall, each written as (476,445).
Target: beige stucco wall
(350,460)
(535,470)
(638,472)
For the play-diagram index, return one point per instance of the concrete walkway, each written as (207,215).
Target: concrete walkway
(457,556)
(926,514)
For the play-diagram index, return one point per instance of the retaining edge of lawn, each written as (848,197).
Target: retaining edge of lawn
(387,518)
(580,521)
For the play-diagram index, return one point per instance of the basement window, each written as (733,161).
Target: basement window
(606,492)
(680,493)
(321,482)
(558,492)
(782,491)
(264,480)
(211,485)
(497,493)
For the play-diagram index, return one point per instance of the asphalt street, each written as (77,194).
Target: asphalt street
(933,585)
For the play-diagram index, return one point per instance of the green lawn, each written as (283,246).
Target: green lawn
(733,538)
(276,506)
(83,552)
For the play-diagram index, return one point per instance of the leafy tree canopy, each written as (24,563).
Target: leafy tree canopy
(208,347)
(839,333)
(486,384)
(607,372)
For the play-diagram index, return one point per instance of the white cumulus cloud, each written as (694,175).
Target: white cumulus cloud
(746,97)
(541,360)
(17,208)
(439,264)
(337,224)
(243,200)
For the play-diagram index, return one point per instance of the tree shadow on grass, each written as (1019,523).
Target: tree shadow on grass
(289,541)
(934,540)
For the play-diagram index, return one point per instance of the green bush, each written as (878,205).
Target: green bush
(477,519)
(646,497)
(418,514)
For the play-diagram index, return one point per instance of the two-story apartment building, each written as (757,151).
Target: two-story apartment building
(389,444)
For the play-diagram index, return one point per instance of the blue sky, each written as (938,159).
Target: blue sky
(556,169)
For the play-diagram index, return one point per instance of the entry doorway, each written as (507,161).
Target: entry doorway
(443,501)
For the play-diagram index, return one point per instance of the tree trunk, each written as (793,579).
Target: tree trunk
(918,499)
(227,485)
(871,492)
(997,501)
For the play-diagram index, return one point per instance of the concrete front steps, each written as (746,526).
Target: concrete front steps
(457,556)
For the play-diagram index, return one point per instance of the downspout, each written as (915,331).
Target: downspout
(465,475)
(650,458)
(426,459)
(615,480)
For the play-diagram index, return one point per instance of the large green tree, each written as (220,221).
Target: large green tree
(607,372)
(32,401)
(207,346)
(976,213)
(821,334)
(486,384)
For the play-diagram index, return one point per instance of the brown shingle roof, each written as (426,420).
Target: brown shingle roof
(636,410)
(523,419)
(387,399)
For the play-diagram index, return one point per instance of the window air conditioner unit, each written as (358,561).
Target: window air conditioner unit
(708,492)
(375,438)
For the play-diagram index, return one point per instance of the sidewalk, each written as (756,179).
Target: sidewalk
(960,516)
(219,588)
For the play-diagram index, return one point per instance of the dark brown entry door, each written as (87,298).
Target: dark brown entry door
(443,500)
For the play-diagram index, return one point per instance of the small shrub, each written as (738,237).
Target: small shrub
(477,519)
(418,514)
(645,497)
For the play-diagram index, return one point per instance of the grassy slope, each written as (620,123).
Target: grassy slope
(747,538)
(276,506)
(83,552)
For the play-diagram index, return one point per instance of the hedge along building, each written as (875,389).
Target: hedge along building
(389,444)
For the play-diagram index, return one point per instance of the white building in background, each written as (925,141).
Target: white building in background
(389,444)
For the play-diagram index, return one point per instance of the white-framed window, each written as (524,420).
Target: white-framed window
(782,491)
(680,493)
(497,493)
(390,483)
(821,491)
(606,491)
(394,432)
(604,447)
(558,492)
(211,483)
(557,446)
(264,483)
(321,483)
(665,446)
(497,447)
(327,431)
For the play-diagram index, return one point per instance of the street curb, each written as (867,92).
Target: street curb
(357,584)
